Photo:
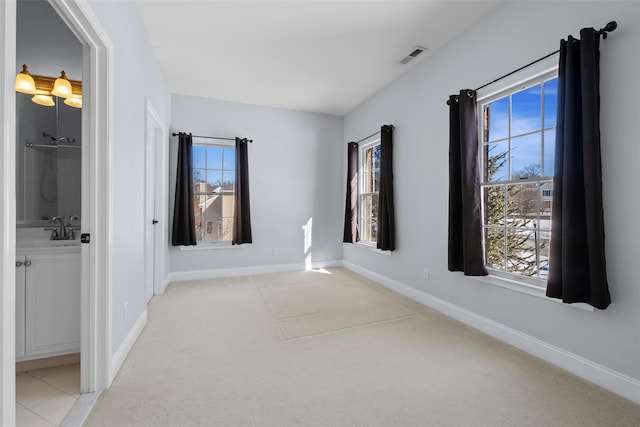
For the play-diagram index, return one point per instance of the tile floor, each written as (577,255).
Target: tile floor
(45,396)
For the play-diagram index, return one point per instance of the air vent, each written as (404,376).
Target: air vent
(414,53)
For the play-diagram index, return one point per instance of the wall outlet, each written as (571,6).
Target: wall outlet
(274,252)
(125,308)
(425,274)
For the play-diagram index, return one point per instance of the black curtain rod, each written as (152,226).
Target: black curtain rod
(215,137)
(611,26)
(367,137)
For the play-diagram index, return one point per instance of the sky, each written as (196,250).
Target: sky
(526,116)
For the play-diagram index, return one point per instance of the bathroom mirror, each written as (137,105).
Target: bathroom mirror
(48,160)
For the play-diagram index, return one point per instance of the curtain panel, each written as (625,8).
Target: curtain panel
(184,228)
(386,238)
(577,270)
(465,221)
(241,207)
(350,234)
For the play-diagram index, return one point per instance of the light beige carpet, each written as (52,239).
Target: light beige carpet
(316,349)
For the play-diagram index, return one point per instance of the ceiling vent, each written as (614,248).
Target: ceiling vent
(414,53)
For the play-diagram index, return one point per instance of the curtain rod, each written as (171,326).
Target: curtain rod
(611,26)
(367,137)
(216,137)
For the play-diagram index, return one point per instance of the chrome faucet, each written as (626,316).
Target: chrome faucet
(61,232)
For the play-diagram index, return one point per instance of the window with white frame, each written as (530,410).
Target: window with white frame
(517,125)
(369,190)
(214,191)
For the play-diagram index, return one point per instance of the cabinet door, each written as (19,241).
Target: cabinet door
(20,273)
(52,304)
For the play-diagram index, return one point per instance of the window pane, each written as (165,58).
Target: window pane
(496,120)
(214,157)
(494,201)
(372,170)
(199,176)
(521,252)
(526,110)
(525,156)
(497,162)
(229,162)
(227,229)
(549,151)
(550,102)
(228,180)
(369,217)
(522,205)
(214,179)
(494,247)
(198,156)
(543,242)
(227,205)
(546,197)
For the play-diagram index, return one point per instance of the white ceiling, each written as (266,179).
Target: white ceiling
(319,56)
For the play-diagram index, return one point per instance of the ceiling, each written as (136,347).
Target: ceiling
(318,56)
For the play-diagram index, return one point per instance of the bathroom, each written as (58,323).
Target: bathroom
(48,218)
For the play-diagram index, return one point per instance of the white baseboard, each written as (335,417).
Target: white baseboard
(123,351)
(180,276)
(326,264)
(609,379)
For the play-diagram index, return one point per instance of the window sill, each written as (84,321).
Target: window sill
(372,248)
(528,289)
(210,247)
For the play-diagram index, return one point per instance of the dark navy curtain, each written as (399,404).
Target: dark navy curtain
(465,221)
(241,207)
(386,239)
(577,270)
(184,223)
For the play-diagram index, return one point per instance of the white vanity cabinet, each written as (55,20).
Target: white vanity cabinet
(51,283)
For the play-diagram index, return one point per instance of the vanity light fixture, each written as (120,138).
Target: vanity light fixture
(42,97)
(62,86)
(45,88)
(24,82)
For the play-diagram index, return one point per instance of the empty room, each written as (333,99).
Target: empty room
(319,213)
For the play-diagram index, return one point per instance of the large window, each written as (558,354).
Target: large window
(369,190)
(517,128)
(214,191)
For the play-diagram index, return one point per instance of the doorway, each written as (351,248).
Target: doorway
(153,204)
(96,171)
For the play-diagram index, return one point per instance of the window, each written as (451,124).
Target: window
(369,190)
(214,189)
(517,127)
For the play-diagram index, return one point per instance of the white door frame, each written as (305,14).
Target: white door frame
(155,134)
(7,213)
(96,199)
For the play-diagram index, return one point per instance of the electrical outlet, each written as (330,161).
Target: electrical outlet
(274,252)
(425,274)
(125,308)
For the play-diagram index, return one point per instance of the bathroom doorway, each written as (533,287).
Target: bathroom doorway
(96,223)
(48,216)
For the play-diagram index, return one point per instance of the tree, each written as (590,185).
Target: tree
(512,209)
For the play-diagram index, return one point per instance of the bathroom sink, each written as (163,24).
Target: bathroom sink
(47,243)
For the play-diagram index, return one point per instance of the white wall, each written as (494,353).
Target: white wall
(295,173)
(137,77)
(514,35)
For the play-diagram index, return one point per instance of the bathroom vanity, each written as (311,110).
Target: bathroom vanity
(47,298)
